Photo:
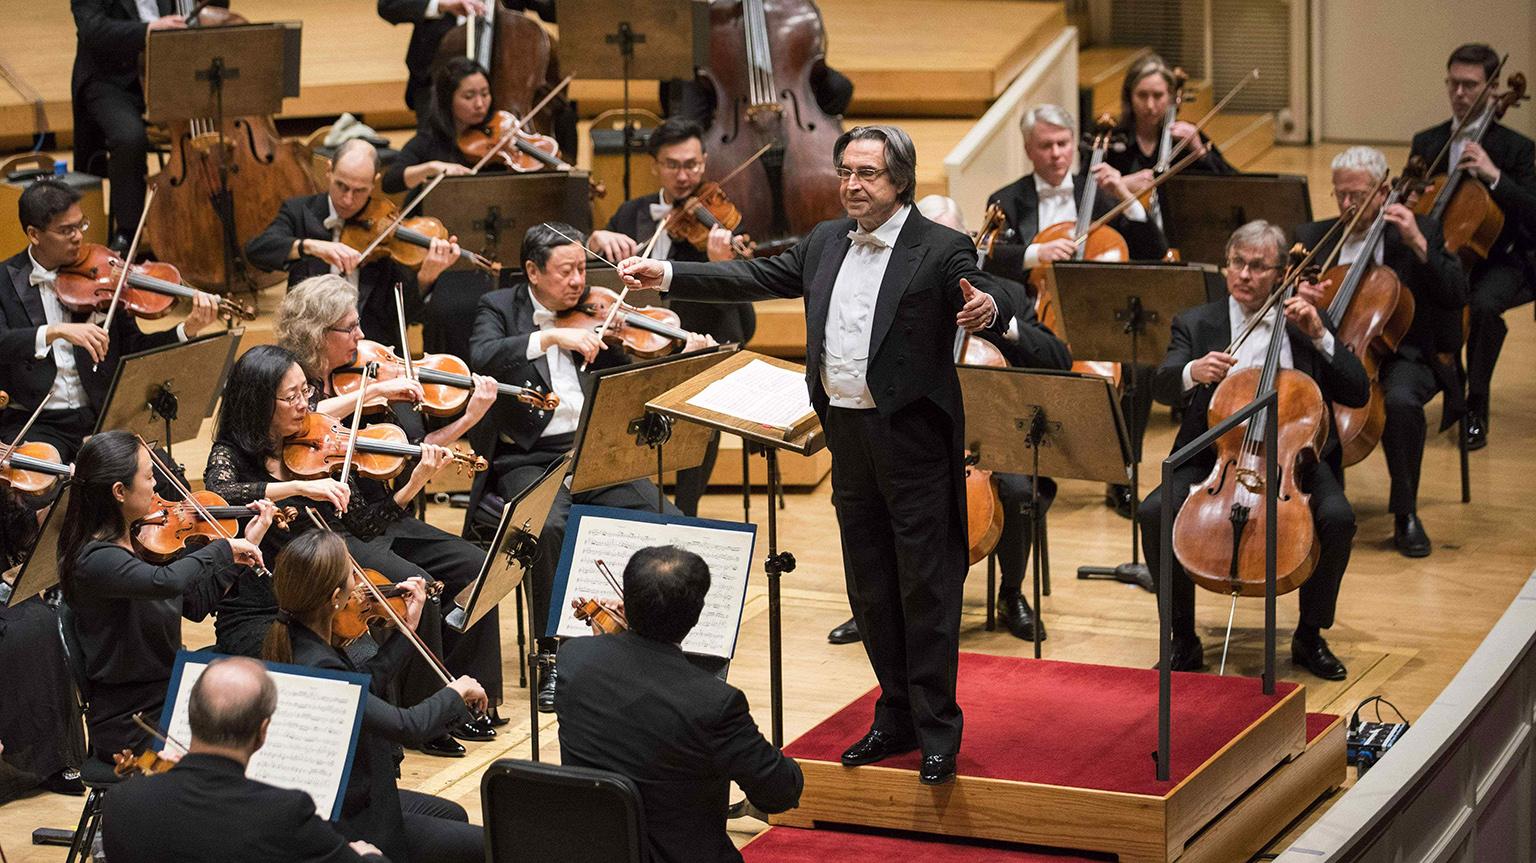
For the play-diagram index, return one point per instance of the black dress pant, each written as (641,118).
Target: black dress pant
(439,830)
(1497,286)
(900,512)
(65,429)
(1332,518)
(110,120)
(1407,385)
(1013,490)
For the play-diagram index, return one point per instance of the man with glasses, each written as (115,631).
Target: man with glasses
(1196,363)
(1414,249)
(305,239)
(53,356)
(1506,162)
(678,159)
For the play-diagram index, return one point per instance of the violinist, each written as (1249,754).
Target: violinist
(460,100)
(219,813)
(311,580)
(304,239)
(1414,249)
(517,339)
(1505,162)
(128,612)
(1050,195)
(266,399)
(1148,93)
(1195,364)
(678,160)
(55,355)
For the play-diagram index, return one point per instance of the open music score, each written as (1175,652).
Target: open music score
(760,398)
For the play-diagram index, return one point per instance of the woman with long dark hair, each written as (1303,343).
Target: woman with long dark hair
(127,610)
(461,100)
(312,579)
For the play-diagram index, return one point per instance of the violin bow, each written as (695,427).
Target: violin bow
(10,448)
(619,303)
(138,719)
(369,369)
(1478,105)
(1292,274)
(1216,109)
(122,277)
(1358,211)
(667,222)
(187,497)
(405,344)
(618,590)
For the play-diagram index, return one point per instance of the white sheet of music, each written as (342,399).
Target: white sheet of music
(310,741)
(758,392)
(614,540)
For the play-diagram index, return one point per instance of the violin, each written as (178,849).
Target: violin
(445,380)
(362,608)
(381,450)
(87,285)
(33,468)
(526,152)
(605,620)
(146,763)
(407,243)
(691,220)
(176,525)
(645,332)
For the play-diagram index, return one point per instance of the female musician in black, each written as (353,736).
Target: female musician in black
(1145,97)
(461,100)
(128,611)
(312,578)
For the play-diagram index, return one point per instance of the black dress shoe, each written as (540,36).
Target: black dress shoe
(1018,617)
(547,687)
(844,633)
(1119,497)
(473,730)
(1313,655)
(1188,654)
(443,747)
(937,770)
(495,718)
(1409,536)
(1477,430)
(66,781)
(874,746)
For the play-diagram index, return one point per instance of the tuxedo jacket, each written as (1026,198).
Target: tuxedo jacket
(303,218)
(639,708)
(208,811)
(422,50)
(1021,205)
(1206,328)
(1515,156)
(109,40)
(28,379)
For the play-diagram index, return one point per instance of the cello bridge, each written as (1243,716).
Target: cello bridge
(1250,479)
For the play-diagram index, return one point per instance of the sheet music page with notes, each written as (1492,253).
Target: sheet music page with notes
(758,392)
(313,734)
(613,535)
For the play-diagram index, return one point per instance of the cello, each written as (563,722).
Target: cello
(762,54)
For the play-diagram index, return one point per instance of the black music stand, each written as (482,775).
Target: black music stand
(164,394)
(1044,423)
(1200,211)
(218,72)
(490,212)
(675,34)
(1123,313)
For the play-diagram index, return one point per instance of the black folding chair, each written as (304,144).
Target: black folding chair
(534,812)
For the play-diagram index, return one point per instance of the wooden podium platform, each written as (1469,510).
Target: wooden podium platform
(1059,754)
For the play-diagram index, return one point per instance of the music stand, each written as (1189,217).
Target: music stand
(1123,313)
(164,394)
(41,569)
(1200,211)
(675,34)
(1044,423)
(490,212)
(203,72)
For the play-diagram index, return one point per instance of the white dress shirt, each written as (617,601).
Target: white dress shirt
(335,222)
(851,315)
(67,391)
(149,10)
(659,211)
(1251,352)
(1349,250)
(563,377)
(1057,204)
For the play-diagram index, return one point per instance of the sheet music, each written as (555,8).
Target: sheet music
(310,741)
(758,392)
(615,539)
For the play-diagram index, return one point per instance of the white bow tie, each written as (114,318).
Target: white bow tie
(334,222)
(543,318)
(660,211)
(861,237)
(1056,192)
(41,277)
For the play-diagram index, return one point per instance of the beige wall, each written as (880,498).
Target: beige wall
(1381,63)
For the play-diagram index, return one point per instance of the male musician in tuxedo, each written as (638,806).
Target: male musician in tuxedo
(62,359)
(431,20)
(304,239)
(108,99)
(1051,194)
(516,339)
(1505,161)
(1414,249)
(206,809)
(632,703)
(884,290)
(1196,363)
(678,160)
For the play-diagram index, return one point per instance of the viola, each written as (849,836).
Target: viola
(599,616)
(526,151)
(176,525)
(380,452)
(362,608)
(644,331)
(150,290)
(33,468)
(445,380)
(691,220)
(407,243)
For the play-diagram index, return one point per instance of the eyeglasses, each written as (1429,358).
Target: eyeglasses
(865,175)
(299,397)
(1456,84)
(1258,268)
(71,230)
(1349,198)
(692,166)
(354,327)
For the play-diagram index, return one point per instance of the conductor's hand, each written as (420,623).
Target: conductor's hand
(1313,292)
(415,590)
(205,310)
(699,341)
(1057,250)
(1304,315)
(168,22)
(339,255)
(1211,368)
(584,342)
(612,245)
(256,529)
(473,694)
(89,336)
(642,273)
(979,309)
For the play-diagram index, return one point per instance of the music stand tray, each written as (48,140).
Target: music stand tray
(512,550)
(165,393)
(490,212)
(1200,211)
(674,403)
(41,570)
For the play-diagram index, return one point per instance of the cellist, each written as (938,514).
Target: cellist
(1413,247)
(1051,195)
(1148,100)
(1506,162)
(1196,362)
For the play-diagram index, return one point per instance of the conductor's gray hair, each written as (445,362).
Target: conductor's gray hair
(900,155)
(1259,234)
(1362,158)
(1051,115)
